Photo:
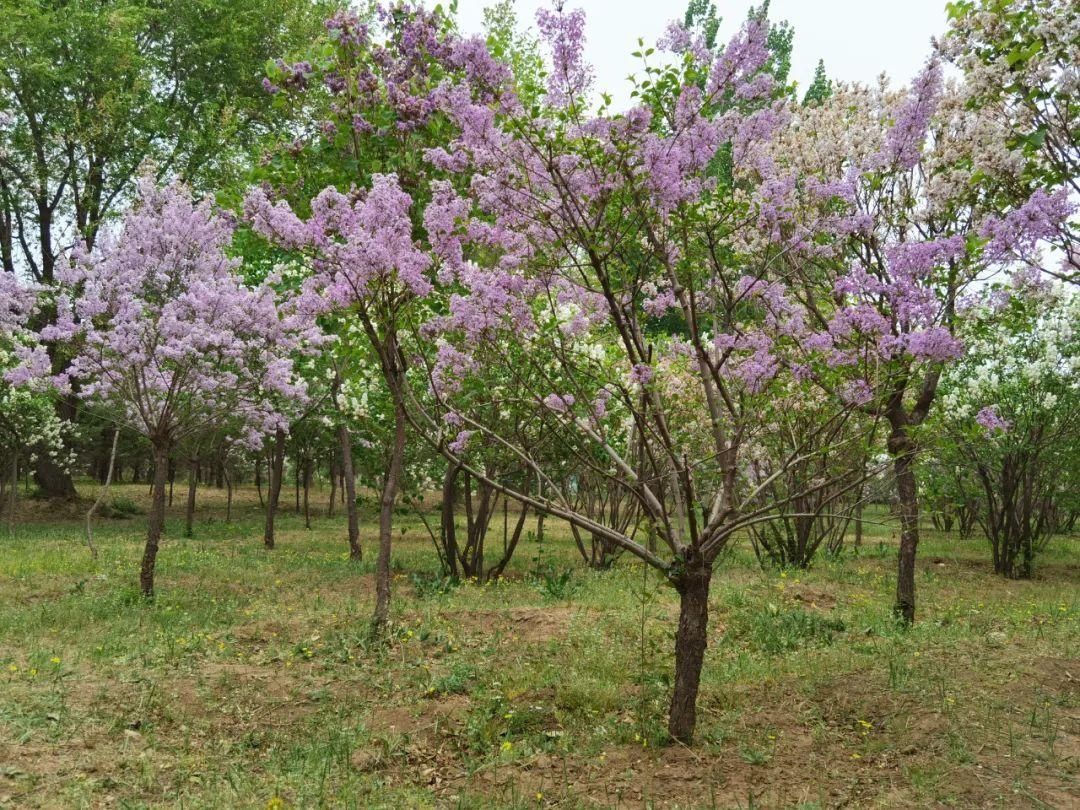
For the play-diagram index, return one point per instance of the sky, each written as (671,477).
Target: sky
(858,39)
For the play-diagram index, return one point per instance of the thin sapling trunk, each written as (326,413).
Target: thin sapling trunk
(386,520)
(101,495)
(189,510)
(349,488)
(277,465)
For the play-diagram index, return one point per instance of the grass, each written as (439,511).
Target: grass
(251,680)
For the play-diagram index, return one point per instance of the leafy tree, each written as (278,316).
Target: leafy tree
(1011,424)
(927,231)
(164,331)
(375,94)
(92,92)
(574,240)
(701,15)
(821,86)
(95,89)
(516,49)
(826,478)
(1019,60)
(29,425)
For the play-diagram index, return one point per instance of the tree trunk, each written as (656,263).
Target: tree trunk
(156,521)
(13,496)
(1027,557)
(447,517)
(345,440)
(277,468)
(333,486)
(540,513)
(296,481)
(228,495)
(386,520)
(307,493)
(903,451)
(101,455)
(101,495)
(259,480)
(509,545)
(52,480)
(575,532)
(690,641)
(189,510)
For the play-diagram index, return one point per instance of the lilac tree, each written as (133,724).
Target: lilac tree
(379,90)
(925,172)
(29,425)
(164,331)
(622,270)
(1020,60)
(300,420)
(365,246)
(1008,431)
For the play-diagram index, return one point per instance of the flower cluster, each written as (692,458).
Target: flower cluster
(28,420)
(165,329)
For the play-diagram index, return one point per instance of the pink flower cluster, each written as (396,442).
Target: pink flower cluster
(165,328)
(18,302)
(991,421)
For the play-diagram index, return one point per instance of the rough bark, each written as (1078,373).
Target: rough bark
(691,639)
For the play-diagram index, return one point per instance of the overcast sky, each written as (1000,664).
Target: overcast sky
(858,39)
